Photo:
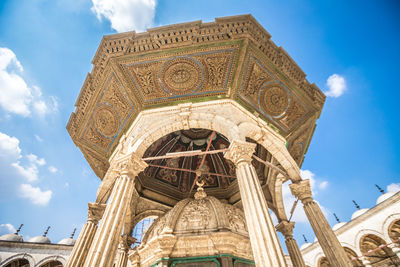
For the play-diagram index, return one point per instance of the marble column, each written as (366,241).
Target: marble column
(286,228)
(328,241)
(264,241)
(124,244)
(103,251)
(82,246)
(395,248)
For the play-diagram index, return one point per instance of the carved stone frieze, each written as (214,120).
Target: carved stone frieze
(106,121)
(274,100)
(236,218)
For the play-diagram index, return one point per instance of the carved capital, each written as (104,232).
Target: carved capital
(286,228)
(126,242)
(302,190)
(240,151)
(130,165)
(95,212)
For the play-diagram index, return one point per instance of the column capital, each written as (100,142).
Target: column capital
(126,242)
(240,151)
(286,228)
(302,190)
(95,212)
(130,165)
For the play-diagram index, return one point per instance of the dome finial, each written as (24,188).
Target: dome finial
(46,232)
(73,233)
(380,189)
(200,194)
(305,239)
(355,203)
(336,217)
(19,229)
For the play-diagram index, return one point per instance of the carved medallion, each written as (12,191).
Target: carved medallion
(274,100)
(181,76)
(106,121)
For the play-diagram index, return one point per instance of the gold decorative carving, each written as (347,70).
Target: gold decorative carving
(118,100)
(302,190)
(216,70)
(274,100)
(94,137)
(106,121)
(294,113)
(258,77)
(146,79)
(240,151)
(181,76)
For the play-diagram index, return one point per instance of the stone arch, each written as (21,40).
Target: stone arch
(171,119)
(352,255)
(377,253)
(24,256)
(51,259)
(323,262)
(388,223)
(394,231)
(145,214)
(361,234)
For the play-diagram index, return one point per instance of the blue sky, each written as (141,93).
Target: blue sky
(45,52)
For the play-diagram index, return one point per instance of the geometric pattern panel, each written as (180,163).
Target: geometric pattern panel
(109,116)
(181,75)
(269,96)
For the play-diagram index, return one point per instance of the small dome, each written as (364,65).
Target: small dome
(338,225)
(305,245)
(11,237)
(358,213)
(67,241)
(383,197)
(40,239)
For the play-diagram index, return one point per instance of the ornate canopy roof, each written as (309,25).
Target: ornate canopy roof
(232,57)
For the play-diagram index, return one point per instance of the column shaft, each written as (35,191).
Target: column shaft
(294,253)
(263,238)
(85,239)
(327,239)
(82,246)
(122,258)
(105,243)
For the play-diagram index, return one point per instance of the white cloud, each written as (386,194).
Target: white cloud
(9,147)
(336,85)
(7,228)
(38,138)
(393,188)
(53,169)
(289,199)
(30,172)
(15,95)
(126,15)
(35,194)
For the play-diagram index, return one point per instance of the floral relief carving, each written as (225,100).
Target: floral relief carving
(294,113)
(195,216)
(236,218)
(258,77)
(216,71)
(145,77)
(95,138)
(106,121)
(240,151)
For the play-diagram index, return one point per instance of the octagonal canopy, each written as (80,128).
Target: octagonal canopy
(231,58)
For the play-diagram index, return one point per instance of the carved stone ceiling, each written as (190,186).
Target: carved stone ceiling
(176,184)
(232,57)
